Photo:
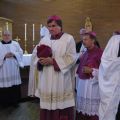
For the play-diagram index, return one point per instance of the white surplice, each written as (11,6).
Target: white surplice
(33,75)
(109,80)
(88,97)
(9,67)
(55,89)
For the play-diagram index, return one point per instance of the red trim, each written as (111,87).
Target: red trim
(56,67)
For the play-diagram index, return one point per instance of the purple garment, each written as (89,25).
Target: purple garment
(57,36)
(43,51)
(91,58)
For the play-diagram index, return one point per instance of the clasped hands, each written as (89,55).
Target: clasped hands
(87,70)
(9,55)
(45,61)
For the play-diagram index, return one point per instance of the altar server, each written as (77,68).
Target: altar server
(10,61)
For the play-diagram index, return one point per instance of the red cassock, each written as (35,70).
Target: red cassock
(43,51)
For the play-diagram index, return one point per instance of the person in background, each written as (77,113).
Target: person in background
(80,49)
(10,61)
(79,46)
(117,32)
(44,31)
(87,100)
(33,74)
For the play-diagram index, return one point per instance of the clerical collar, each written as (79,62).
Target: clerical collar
(3,42)
(55,37)
(94,48)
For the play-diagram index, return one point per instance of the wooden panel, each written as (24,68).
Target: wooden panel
(103,13)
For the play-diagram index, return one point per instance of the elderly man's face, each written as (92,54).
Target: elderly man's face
(87,41)
(53,28)
(6,37)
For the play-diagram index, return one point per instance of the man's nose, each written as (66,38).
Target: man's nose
(51,28)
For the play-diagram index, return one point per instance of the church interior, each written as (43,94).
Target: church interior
(24,19)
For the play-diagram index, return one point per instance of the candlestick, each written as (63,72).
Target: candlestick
(7,28)
(25,39)
(25,32)
(25,51)
(17,39)
(40,26)
(33,35)
(33,32)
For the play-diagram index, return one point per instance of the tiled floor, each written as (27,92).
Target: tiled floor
(25,111)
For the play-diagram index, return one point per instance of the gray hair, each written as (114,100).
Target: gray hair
(6,32)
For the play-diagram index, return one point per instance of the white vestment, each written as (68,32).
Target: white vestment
(9,67)
(109,80)
(33,75)
(55,88)
(88,97)
(44,31)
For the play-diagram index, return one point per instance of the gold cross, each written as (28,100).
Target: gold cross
(17,39)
